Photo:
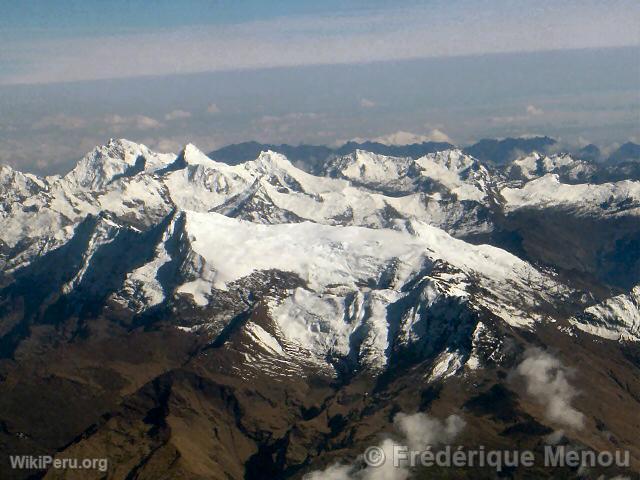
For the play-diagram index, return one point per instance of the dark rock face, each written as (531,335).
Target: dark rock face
(628,152)
(501,152)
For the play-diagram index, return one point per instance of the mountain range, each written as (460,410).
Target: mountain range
(312,158)
(271,311)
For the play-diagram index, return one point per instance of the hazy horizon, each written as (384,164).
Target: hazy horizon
(74,74)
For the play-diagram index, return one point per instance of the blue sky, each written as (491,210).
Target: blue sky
(74,73)
(68,17)
(52,41)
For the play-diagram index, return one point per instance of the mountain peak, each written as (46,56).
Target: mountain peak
(15,185)
(192,155)
(453,159)
(121,143)
(106,162)
(423,282)
(365,167)
(268,160)
(118,158)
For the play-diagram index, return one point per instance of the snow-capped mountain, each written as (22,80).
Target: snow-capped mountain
(434,269)
(533,166)
(139,186)
(616,318)
(608,199)
(371,227)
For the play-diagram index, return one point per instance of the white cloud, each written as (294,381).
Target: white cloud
(422,430)
(212,108)
(534,111)
(366,103)
(406,138)
(417,431)
(177,115)
(554,437)
(333,472)
(546,380)
(120,123)
(386,471)
(437,135)
(143,122)
(608,149)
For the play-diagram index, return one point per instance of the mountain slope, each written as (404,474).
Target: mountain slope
(160,309)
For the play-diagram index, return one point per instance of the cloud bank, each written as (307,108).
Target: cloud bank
(469,28)
(407,138)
